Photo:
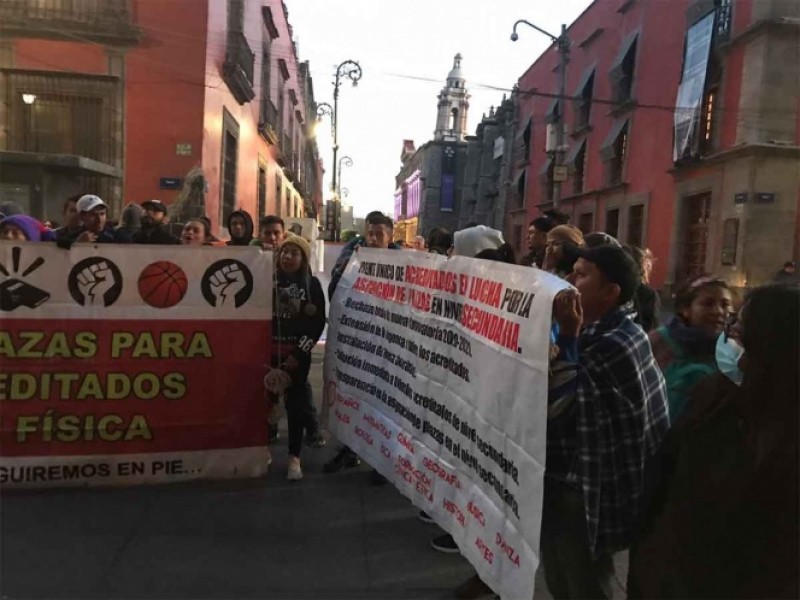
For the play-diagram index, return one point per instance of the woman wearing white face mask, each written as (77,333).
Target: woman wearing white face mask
(723,516)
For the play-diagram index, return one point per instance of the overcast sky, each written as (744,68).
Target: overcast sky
(397,41)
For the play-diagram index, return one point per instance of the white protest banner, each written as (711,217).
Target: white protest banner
(436,374)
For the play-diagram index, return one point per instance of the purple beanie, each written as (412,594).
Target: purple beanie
(34,230)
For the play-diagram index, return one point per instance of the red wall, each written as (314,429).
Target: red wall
(164,96)
(662,27)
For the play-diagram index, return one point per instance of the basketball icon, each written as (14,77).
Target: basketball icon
(162,284)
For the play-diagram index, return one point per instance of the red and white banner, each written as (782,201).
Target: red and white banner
(132,364)
(436,373)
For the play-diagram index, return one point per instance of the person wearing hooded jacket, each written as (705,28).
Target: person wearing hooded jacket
(299,319)
(240,228)
(24,228)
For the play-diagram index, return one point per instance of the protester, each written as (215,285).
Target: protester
(95,228)
(560,255)
(788,274)
(72,219)
(299,315)
(379,235)
(723,520)
(556,216)
(504,253)
(419,244)
(197,232)
(646,302)
(599,238)
(440,241)
(22,228)
(154,228)
(240,228)
(606,417)
(472,240)
(537,241)
(271,231)
(131,221)
(685,347)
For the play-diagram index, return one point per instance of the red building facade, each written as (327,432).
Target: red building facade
(723,204)
(137,94)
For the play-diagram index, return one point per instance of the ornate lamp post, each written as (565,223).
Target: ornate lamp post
(348,162)
(563,44)
(348,69)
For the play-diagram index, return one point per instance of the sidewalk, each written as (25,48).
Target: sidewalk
(329,536)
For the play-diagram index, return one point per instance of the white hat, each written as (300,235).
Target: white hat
(469,242)
(89,202)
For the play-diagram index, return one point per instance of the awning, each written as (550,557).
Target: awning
(607,150)
(616,66)
(587,75)
(525,123)
(544,172)
(574,151)
(552,111)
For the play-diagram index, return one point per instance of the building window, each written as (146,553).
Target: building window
(730,240)
(615,151)
(708,118)
(580,171)
(288,209)
(724,17)
(262,190)
(235,16)
(521,189)
(281,105)
(635,225)
(623,70)
(612,222)
(230,162)
(583,107)
(278,194)
(454,119)
(526,140)
(586,223)
(266,72)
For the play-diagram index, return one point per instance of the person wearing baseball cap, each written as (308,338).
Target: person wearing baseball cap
(607,416)
(154,228)
(93,214)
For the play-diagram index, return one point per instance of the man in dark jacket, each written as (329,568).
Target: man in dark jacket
(240,227)
(71,219)
(95,228)
(154,230)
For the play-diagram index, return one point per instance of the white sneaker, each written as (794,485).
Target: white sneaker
(295,472)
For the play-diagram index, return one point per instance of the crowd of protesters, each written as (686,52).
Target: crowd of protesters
(674,438)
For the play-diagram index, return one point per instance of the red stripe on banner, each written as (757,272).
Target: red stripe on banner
(99,387)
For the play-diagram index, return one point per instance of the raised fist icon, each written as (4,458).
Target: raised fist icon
(227,283)
(95,281)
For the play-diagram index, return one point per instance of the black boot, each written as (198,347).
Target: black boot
(344,459)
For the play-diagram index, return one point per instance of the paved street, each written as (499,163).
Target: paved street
(331,536)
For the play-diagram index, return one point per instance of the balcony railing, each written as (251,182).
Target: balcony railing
(238,68)
(61,113)
(102,21)
(268,122)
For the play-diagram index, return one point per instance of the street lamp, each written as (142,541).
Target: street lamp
(29,98)
(563,45)
(324,109)
(351,70)
(348,162)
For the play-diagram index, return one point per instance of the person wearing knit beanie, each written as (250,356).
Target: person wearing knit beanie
(301,243)
(24,228)
(560,254)
(471,241)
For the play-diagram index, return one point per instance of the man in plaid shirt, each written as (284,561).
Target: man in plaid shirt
(607,415)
